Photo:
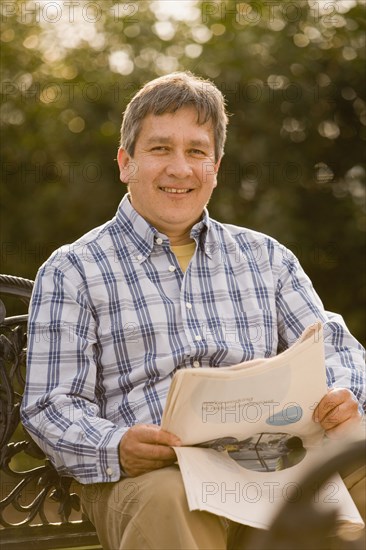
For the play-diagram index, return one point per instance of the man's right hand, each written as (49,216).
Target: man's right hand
(146,447)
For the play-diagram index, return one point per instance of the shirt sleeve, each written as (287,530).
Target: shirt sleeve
(60,406)
(298,306)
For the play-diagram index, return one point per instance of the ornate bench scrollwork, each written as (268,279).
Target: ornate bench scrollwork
(38,508)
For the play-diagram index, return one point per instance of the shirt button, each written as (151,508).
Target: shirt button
(139,257)
(196,364)
(109,471)
(198,338)
(171,268)
(188,305)
(159,241)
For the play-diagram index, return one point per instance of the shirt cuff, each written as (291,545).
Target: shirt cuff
(107,458)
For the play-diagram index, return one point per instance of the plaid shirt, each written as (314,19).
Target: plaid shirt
(113,317)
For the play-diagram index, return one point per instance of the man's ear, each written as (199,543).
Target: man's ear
(217,165)
(216,170)
(126,166)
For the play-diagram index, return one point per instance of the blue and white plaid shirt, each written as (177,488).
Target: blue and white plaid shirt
(113,317)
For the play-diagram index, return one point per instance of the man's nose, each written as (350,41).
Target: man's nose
(179,166)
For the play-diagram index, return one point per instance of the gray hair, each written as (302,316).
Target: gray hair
(169,93)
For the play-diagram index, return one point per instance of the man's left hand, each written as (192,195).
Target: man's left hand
(338,412)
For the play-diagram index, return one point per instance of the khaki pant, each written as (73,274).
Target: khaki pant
(151,512)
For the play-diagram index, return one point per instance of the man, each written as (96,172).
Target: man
(158,288)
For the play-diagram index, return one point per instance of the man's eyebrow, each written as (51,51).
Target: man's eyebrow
(167,139)
(158,139)
(199,142)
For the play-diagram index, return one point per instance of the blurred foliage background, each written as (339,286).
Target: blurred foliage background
(293,73)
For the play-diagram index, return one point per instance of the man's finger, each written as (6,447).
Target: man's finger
(154,435)
(154,452)
(336,416)
(337,404)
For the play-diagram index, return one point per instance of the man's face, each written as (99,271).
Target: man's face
(172,173)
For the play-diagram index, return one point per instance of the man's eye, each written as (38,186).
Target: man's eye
(198,152)
(159,148)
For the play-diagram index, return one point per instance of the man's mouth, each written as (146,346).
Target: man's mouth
(174,190)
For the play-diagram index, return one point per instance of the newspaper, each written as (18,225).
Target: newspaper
(248,436)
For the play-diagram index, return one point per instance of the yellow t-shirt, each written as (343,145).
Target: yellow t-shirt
(184,253)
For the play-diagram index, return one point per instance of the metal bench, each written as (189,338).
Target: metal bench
(38,508)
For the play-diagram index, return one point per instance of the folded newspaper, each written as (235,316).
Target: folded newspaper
(248,437)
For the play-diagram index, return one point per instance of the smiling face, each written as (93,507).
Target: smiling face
(172,173)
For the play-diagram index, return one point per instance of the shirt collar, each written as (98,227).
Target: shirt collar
(143,236)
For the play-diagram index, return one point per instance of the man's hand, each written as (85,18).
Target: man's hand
(146,447)
(338,412)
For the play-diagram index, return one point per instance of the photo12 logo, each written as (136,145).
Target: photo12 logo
(69,11)
(254,13)
(271,491)
(249,411)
